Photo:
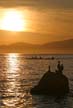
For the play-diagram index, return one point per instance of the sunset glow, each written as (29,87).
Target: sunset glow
(13,21)
(31,25)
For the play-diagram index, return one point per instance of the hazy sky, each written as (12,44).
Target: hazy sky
(47,20)
(44,3)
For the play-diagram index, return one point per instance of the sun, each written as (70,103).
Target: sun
(13,21)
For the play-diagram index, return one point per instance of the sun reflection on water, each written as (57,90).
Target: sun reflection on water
(12,71)
(12,63)
(13,92)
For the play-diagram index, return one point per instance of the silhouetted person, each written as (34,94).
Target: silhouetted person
(49,70)
(60,68)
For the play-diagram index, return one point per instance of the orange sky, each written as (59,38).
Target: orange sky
(40,25)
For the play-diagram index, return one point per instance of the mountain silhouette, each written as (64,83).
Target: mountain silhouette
(65,46)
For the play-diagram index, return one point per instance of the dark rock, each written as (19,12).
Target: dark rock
(52,84)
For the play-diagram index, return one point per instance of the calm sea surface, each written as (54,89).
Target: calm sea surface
(18,75)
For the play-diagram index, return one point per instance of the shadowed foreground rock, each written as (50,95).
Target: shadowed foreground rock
(52,84)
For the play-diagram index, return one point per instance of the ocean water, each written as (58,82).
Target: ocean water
(19,74)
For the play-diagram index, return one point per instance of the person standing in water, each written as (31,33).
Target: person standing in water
(49,70)
(60,68)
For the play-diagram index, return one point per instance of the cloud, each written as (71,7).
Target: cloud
(38,3)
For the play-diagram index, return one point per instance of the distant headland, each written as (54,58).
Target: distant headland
(58,47)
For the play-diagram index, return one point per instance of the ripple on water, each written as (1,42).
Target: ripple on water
(18,75)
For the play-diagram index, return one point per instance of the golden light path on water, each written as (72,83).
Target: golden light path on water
(14,92)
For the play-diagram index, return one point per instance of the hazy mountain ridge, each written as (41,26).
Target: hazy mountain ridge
(60,44)
(52,47)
